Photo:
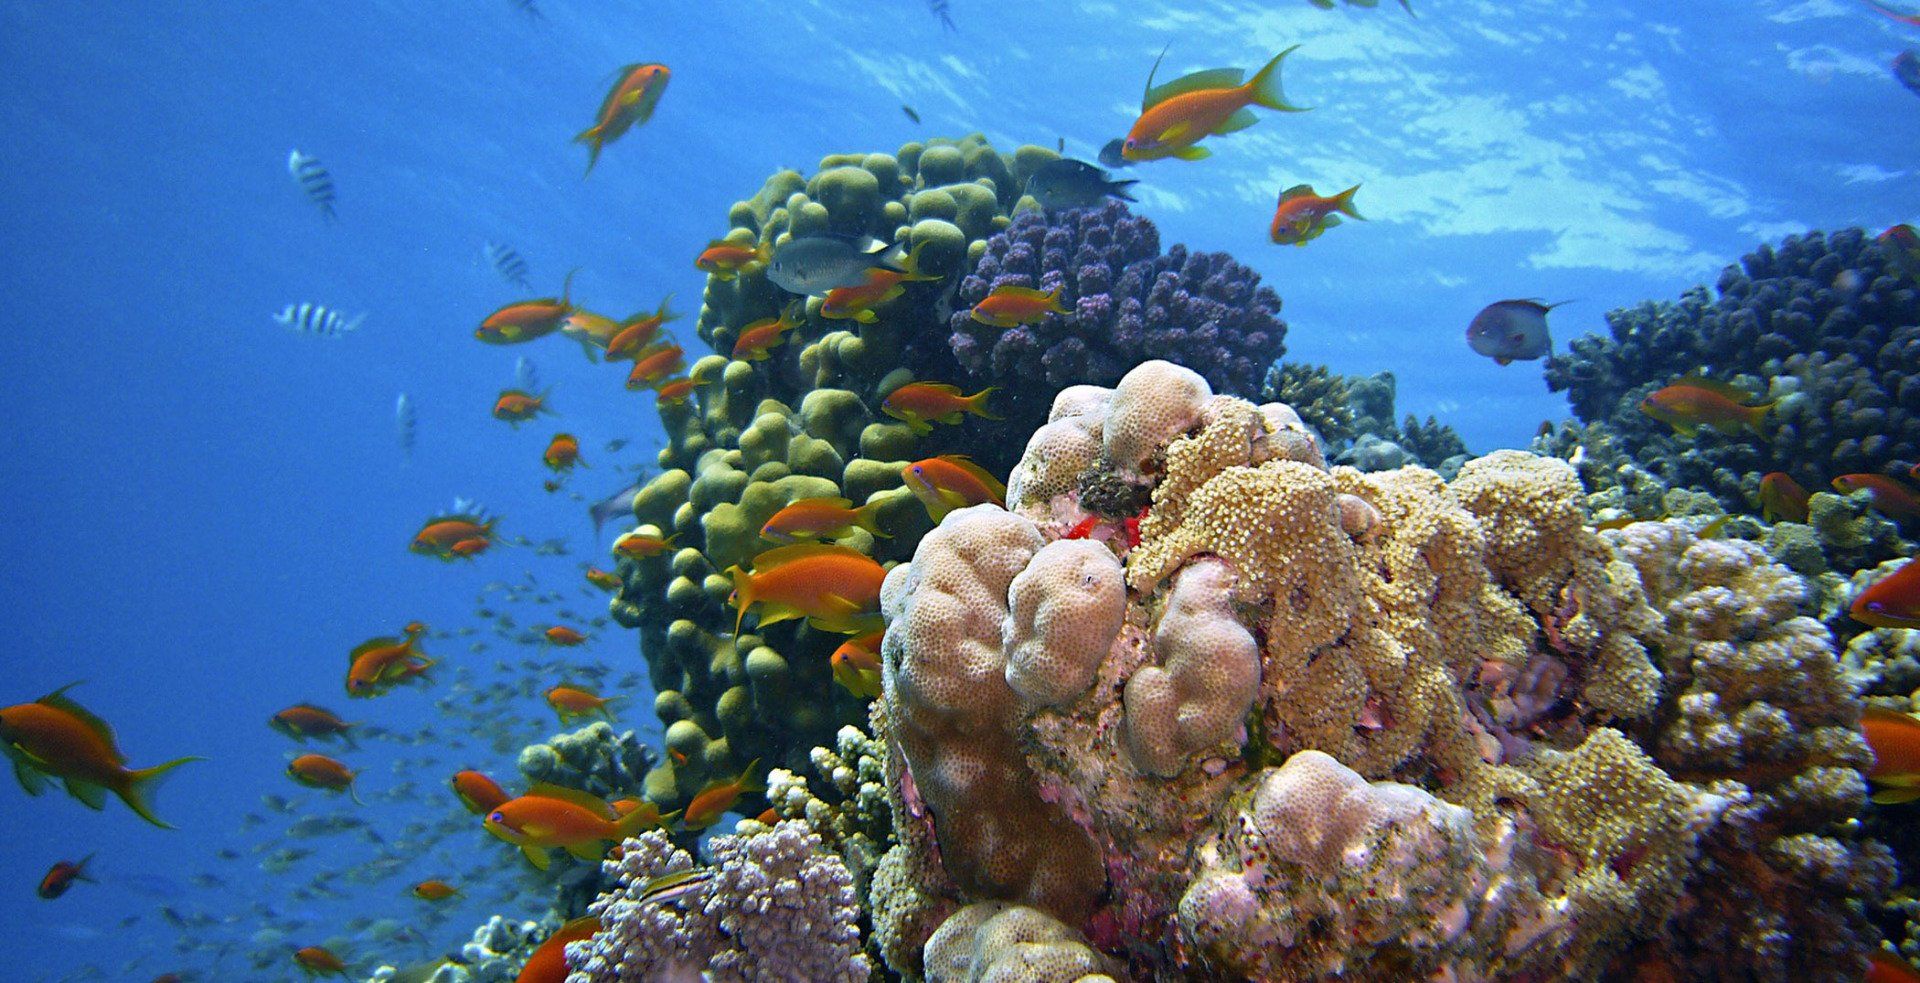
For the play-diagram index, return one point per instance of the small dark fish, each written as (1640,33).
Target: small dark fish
(819,264)
(1066,183)
(1906,68)
(314,181)
(910,113)
(525,376)
(318,320)
(1110,154)
(1509,331)
(62,875)
(613,506)
(526,7)
(943,10)
(403,423)
(509,265)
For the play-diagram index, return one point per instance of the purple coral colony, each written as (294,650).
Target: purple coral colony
(1032,620)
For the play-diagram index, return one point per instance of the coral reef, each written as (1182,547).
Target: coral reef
(494,954)
(850,813)
(1828,326)
(1353,416)
(778,907)
(1292,722)
(595,759)
(995,941)
(1126,302)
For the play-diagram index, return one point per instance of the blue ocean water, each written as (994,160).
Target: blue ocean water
(206,510)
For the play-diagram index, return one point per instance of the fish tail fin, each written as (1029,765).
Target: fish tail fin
(665,312)
(141,785)
(591,137)
(1755,417)
(868,517)
(353,791)
(1265,86)
(912,263)
(977,404)
(1053,299)
(634,823)
(742,599)
(80,870)
(1343,202)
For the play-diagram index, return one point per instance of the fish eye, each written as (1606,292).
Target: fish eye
(497,817)
(1876,606)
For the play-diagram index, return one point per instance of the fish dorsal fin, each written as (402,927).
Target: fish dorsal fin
(1719,388)
(947,388)
(384,641)
(831,503)
(783,555)
(966,464)
(1297,191)
(1209,78)
(59,700)
(1891,717)
(585,800)
(1024,293)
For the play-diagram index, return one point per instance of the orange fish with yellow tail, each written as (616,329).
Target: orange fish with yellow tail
(549,817)
(757,339)
(1782,498)
(55,738)
(594,332)
(1893,601)
(834,587)
(641,546)
(378,664)
(856,665)
(675,392)
(629,103)
(1010,306)
(821,518)
(562,453)
(952,481)
(571,701)
(525,320)
(321,772)
(1895,739)
(720,795)
(304,721)
(434,890)
(1696,402)
(517,406)
(1301,215)
(654,364)
(725,260)
(922,404)
(882,285)
(1887,496)
(1176,116)
(317,960)
(638,331)
(440,534)
(548,964)
(564,636)
(477,792)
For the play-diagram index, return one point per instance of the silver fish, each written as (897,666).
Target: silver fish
(403,423)
(525,376)
(820,263)
(613,506)
(509,265)
(1066,183)
(1509,331)
(314,181)
(318,320)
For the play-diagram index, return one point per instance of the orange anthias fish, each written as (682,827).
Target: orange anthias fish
(1895,739)
(304,721)
(61,876)
(594,332)
(440,534)
(856,665)
(477,792)
(1301,216)
(719,796)
(603,579)
(835,588)
(564,637)
(550,817)
(1893,601)
(1010,306)
(952,481)
(526,320)
(922,404)
(640,546)
(1176,116)
(378,664)
(1885,967)
(1694,402)
(434,890)
(638,331)
(570,702)
(322,772)
(1887,496)
(563,452)
(882,285)
(654,364)
(548,964)
(517,406)
(54,737)
(821,518)
(467,549)
(673,392)
(629,103)
(319,961)
(1782,498)
(762,336)
(725,260)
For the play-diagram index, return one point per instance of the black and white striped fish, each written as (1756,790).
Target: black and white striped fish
(943,10)
(313,179)
(508,264)
(403,423)
(317,319)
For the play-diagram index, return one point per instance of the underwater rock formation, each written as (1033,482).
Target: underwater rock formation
(594,759)
(1354,418)
(1292,722)
(1828,326)
(778,907)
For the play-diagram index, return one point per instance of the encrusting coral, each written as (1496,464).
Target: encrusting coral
(1446,729)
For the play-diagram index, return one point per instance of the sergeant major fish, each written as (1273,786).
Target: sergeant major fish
(318,320)
(509,265)
(314,181)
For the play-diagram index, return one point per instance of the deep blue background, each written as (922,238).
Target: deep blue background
(205,511)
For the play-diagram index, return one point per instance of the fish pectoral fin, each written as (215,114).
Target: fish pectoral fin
(1174,133)
(32,780)
(91,795)
(536,855)
(1193,153)
(1896,795)
(1240,120)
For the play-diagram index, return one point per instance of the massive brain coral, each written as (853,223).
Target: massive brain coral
(1269,720)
